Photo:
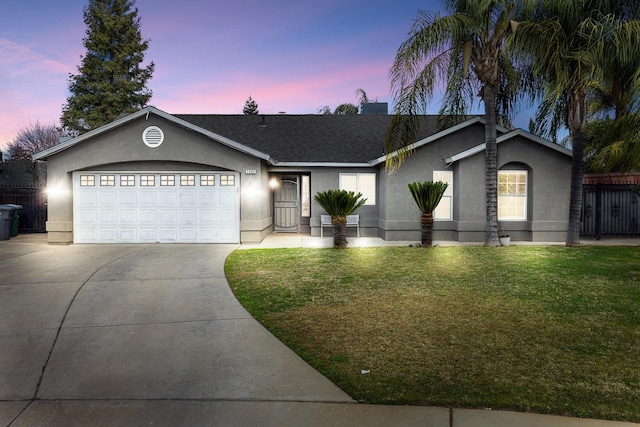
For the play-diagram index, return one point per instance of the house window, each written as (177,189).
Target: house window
(227,180)
(187,180)
(305,196)
(207,180)
(364,183)
(147,180)
(444,210)
(87,180)
(167,180)
(107,180)
(127,180)
(512,195)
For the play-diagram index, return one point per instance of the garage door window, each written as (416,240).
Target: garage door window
(227,180)
(107,180)
(167,180)
(127,180)
(147,181)
(187,180)
(207,180)
(87,181)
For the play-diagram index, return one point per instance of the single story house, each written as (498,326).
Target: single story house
(156,177)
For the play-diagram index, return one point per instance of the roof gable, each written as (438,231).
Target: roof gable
(507,136)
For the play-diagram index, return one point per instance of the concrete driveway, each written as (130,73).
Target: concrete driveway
(133,323)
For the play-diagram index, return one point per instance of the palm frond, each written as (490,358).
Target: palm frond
(428,194)
(339,203)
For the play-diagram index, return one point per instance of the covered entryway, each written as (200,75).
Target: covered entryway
(286,202)
(156,207)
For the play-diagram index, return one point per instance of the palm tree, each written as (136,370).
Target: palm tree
(427,196)
(566,44)
(443,48)
(338,204)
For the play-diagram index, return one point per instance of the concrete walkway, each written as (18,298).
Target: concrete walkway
(152,335)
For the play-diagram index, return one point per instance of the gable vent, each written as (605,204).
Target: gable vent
(152,137)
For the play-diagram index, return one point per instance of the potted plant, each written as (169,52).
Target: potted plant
(339,204)
(504,238)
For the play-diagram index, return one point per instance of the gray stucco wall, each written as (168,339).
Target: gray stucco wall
(122,149)
(401,217)
(548,190)
(323,179)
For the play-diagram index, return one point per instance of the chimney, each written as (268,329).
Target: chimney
(375,108)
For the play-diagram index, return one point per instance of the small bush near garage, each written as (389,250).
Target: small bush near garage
(541,329)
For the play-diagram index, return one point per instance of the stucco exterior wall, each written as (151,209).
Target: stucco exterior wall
(122,149)
(400,217)
(323,179)
(547,199)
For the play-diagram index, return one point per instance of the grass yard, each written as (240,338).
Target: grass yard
(527,328)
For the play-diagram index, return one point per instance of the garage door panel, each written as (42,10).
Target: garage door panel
(169,197)
(106,198)
(108,234)
(128,216)
(139,209)
(148,198)
(189,198)
(148,235)
(108,216)
(148,216)
(127,235)
(128,198)
(88,198)
(167,234)
(207,216)
(88,216)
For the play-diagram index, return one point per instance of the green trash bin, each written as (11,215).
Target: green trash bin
(15,223)
(6,217)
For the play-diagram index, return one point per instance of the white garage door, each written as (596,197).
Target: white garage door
(156,207)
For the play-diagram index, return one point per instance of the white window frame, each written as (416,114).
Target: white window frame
(442,214)
(360,187)
(305,196)
(523,198)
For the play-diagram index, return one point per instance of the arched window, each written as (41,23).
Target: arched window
(513,191)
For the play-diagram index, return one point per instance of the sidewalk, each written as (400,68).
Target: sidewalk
(298,240)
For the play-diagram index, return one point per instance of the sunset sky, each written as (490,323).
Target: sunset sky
(291,56)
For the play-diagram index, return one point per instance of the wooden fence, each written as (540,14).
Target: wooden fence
(33,217)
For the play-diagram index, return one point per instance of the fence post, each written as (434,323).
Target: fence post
(598,212)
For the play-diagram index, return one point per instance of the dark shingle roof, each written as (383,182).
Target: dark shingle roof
(307,138)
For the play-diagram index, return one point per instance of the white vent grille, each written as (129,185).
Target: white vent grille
(152,137)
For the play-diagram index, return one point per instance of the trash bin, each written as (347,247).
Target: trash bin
(15,223)
(6,217)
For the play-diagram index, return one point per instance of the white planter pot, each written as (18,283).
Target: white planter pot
(505,240)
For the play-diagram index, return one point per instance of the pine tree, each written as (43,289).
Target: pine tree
(110,81)
(250,107)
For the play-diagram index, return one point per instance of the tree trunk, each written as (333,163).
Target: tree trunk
(427,229)
(339,233)
(577,124)
(491,166)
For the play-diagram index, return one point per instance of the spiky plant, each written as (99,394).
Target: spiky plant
(427,196)
(338,204)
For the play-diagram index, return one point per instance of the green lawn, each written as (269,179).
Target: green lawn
(542,329)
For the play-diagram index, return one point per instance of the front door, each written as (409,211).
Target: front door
(286,203)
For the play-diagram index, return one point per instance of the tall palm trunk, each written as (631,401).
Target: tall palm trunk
(339,232)
(491,166)
(426,221)
(577,124)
